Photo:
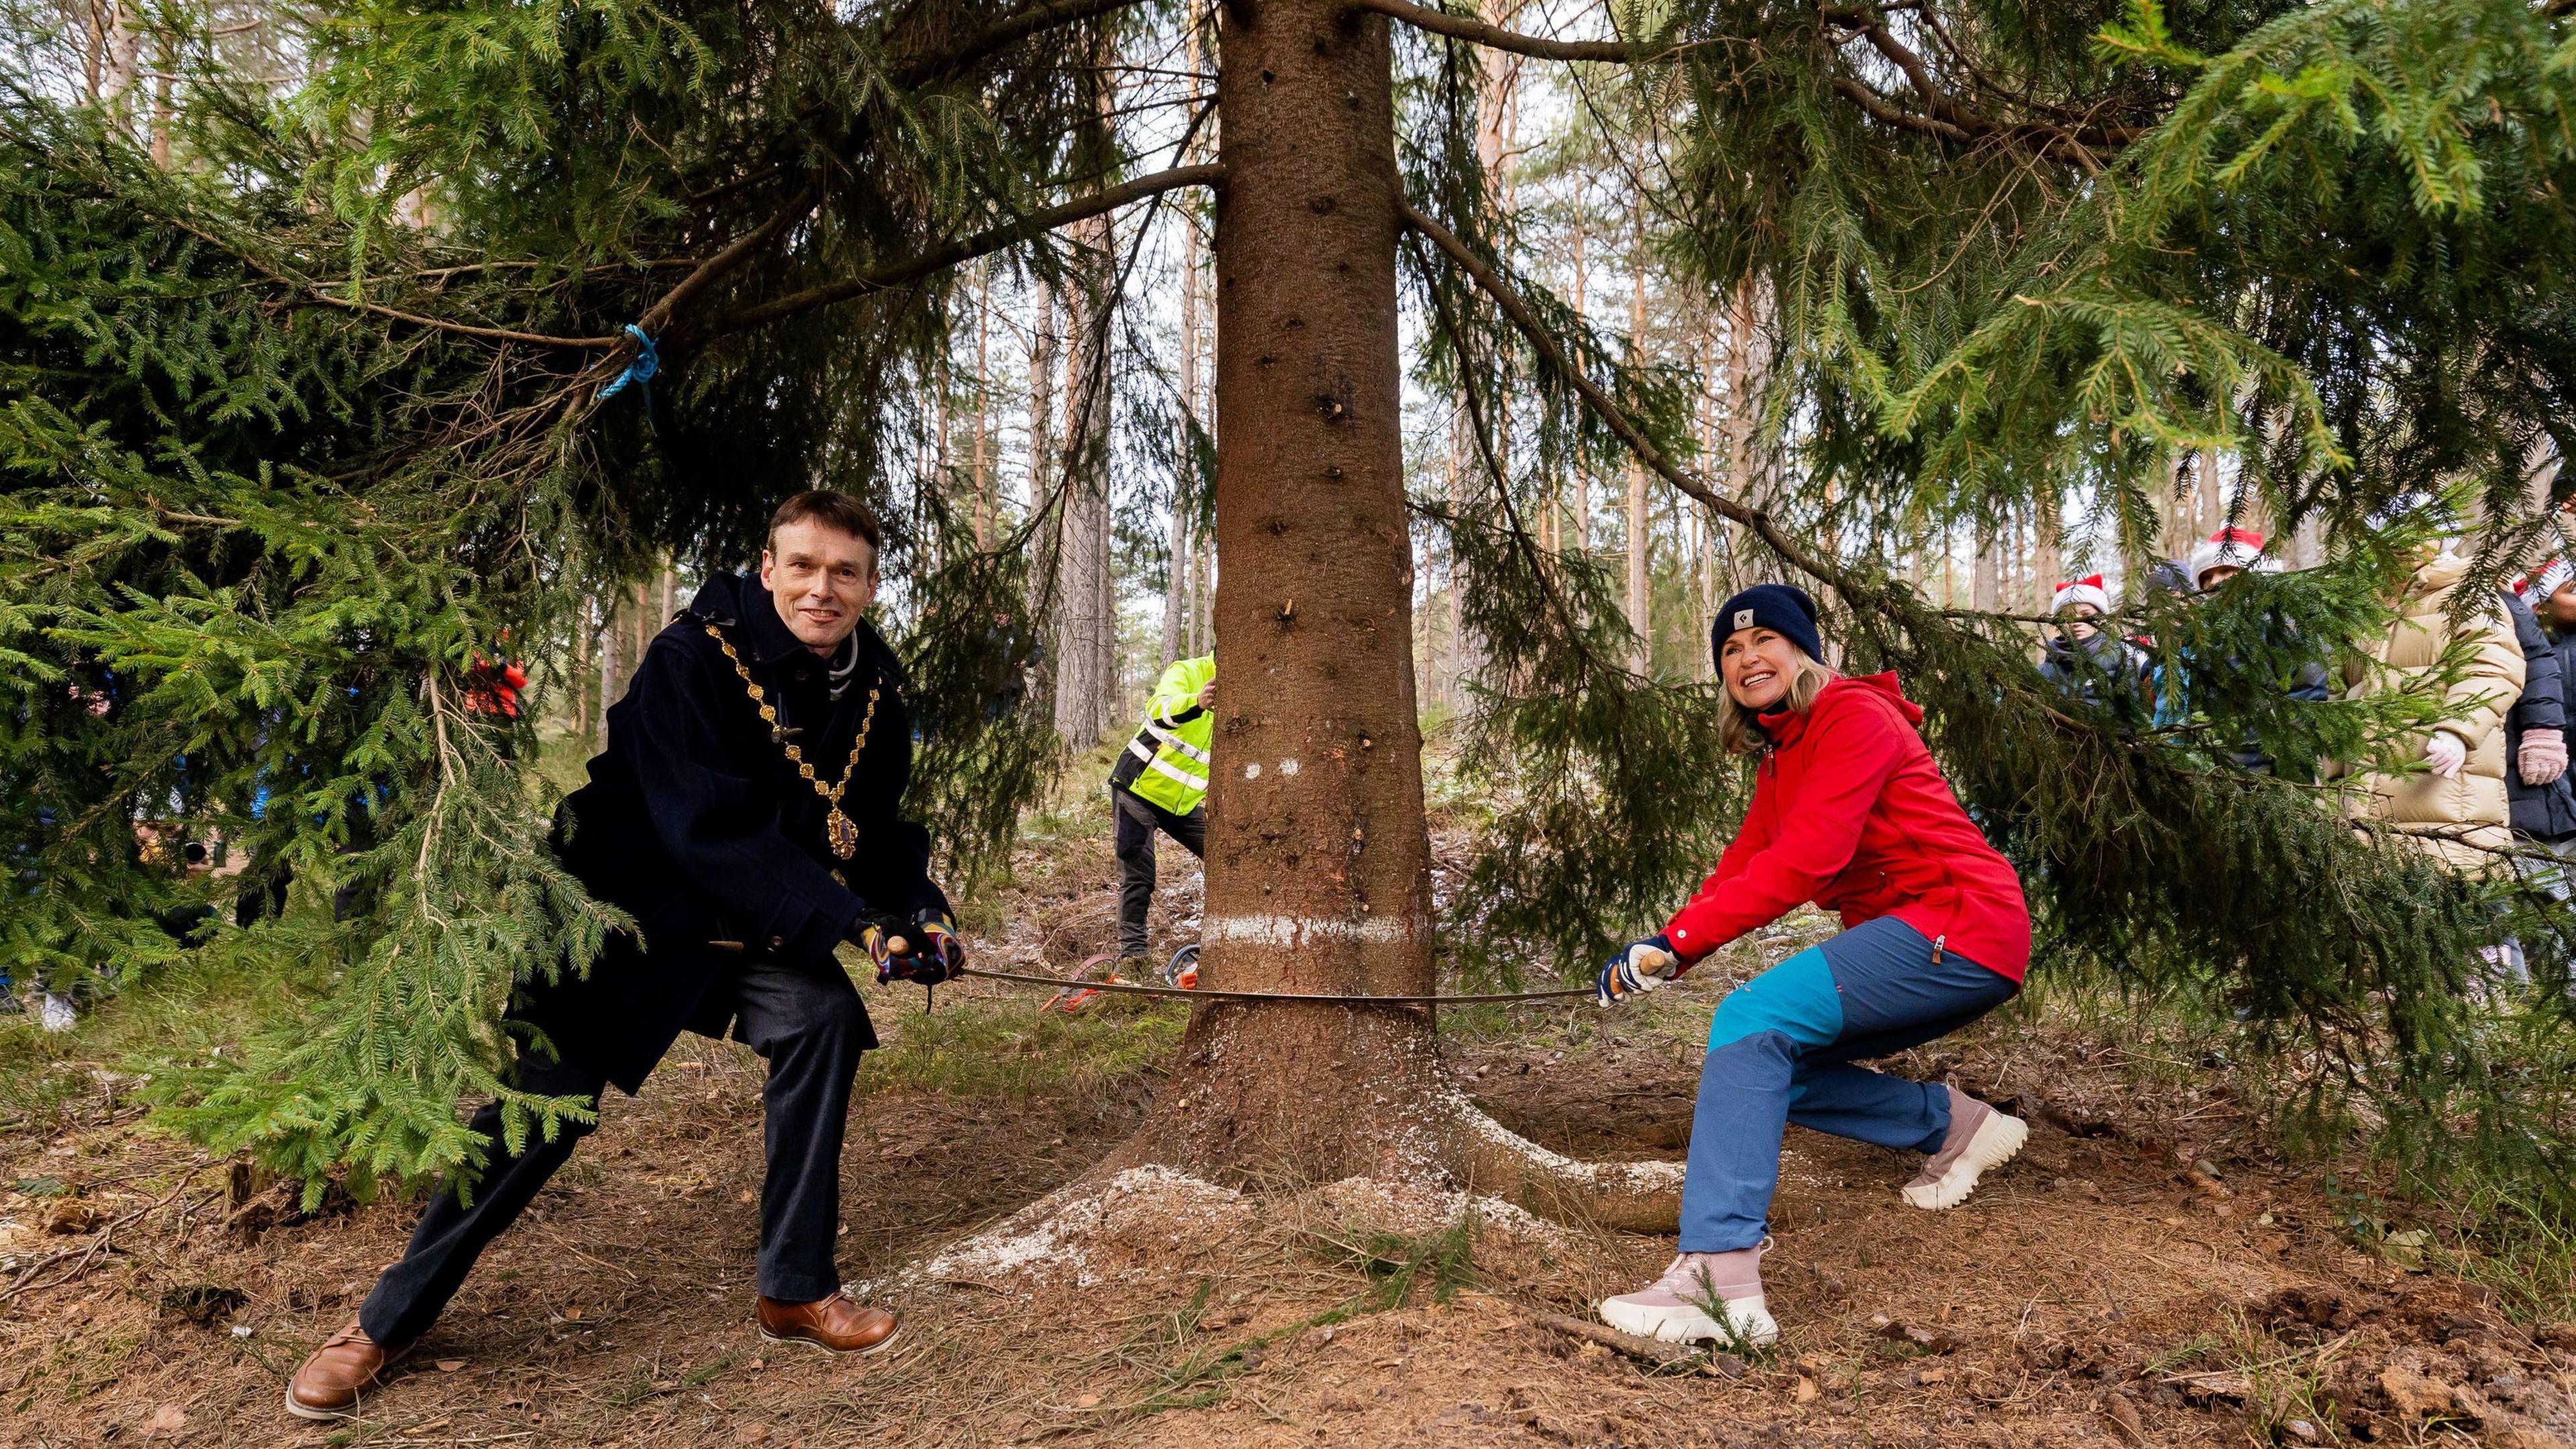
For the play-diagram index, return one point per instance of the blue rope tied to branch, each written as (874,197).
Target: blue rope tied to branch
(639,371)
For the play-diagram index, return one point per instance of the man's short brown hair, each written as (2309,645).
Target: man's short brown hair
(832,510)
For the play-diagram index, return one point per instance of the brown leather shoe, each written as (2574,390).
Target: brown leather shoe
(838,1324)
(346,1365)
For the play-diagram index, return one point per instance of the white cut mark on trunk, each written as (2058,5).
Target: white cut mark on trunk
(1252,771)
(1292,932)
(1287,767)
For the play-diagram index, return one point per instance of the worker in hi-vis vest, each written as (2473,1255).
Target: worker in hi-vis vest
(1160,783)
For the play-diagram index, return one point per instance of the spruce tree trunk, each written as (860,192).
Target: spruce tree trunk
(1318,859)
(1318,862)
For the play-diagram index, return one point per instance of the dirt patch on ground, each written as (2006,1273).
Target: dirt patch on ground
(2144,1274)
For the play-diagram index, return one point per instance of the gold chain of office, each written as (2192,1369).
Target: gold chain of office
(838,828)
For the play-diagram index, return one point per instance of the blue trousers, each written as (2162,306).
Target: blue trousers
(1781,1049)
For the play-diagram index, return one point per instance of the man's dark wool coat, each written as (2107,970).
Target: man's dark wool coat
(695,823)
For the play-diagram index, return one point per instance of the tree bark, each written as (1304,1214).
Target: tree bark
(2052,554)
(1177,594)
(1045,581)
(1085,637)
(983,423)
(1318,858)
(1986,590)
(1640,601)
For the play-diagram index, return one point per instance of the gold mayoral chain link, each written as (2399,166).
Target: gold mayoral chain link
(838,828)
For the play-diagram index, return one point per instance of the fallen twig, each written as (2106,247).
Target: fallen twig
(1650,1350)
(27,1280)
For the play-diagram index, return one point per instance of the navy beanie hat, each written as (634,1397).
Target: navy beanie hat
(1783,610)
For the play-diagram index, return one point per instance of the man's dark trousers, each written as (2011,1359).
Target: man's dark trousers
(806,1022)
(1137,822)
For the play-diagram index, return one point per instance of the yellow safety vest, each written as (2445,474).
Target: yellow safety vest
(1166,764)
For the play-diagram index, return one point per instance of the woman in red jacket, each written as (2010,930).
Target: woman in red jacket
(1849,811)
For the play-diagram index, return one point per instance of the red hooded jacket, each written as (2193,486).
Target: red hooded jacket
(1849,811)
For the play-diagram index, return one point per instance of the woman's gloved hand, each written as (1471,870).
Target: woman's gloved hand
(1641,966)
(2444,754)
(2543,756)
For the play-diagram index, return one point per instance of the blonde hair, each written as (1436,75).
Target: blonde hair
(1742,733)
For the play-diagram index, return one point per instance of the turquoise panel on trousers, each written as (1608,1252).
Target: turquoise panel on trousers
(1795,998)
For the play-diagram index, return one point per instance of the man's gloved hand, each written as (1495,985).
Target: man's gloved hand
(883,938)
(2444,754)
(936,950)
(2543,757)
(1640,966)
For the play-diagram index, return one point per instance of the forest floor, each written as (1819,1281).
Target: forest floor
(2148,1272)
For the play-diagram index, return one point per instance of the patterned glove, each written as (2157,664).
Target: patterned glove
(883,938)
(937,951)
(1639,967)
(2543,757)
(2444,754)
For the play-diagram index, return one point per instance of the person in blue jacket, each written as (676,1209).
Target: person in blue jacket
(2536,781)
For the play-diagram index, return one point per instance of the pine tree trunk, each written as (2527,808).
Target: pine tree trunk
(1639,602)
(1745,365)
(1468,485)
(983,425)
(1085,636)
(123,52)
(2051,549)
(1177,593)
(1047,519)
(1582,480)
(161,112)
(1318,859)
(1986,591)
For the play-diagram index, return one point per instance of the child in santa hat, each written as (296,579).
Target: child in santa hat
(2086,660)
(2220,557)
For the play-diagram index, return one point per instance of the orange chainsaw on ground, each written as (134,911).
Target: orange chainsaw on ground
(1181,971)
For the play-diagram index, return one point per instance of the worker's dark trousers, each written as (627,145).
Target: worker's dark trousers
(807,1023)
(1137,822)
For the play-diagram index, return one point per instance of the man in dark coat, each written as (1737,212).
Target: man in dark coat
(744,814)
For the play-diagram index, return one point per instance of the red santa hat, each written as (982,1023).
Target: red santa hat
(2546,580)
(2086,590)
(2239,548)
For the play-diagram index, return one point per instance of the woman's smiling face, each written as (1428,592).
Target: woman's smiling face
(1758,665)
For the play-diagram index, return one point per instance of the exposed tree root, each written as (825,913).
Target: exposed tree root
(1486,1157)
(1234,1114)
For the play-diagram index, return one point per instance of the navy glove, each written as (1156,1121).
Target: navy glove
(1640,966)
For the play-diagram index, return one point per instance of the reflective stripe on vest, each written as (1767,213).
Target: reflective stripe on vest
(1165,737)
(1165,768)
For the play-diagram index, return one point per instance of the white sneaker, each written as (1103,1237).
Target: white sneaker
(1676,1308)
(1980,1137)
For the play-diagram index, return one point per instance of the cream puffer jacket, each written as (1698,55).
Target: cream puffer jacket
(2469,810)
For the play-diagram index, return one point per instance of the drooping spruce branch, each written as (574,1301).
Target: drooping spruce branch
(1496,37)
(912,269)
